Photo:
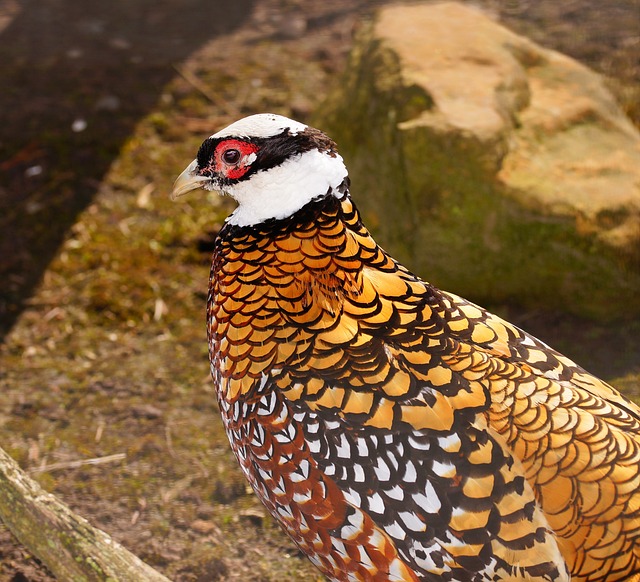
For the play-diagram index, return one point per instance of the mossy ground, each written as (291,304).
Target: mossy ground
(109,353)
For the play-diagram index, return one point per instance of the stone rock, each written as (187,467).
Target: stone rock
(493,167)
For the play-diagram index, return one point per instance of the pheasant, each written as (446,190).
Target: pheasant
(396,431)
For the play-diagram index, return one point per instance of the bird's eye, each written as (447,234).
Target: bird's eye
(231,156)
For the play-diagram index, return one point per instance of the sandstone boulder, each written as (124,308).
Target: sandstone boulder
(492,166)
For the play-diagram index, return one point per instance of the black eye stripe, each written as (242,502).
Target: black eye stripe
(277,149)
(270,152)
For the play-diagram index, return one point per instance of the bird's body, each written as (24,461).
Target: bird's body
(396,431)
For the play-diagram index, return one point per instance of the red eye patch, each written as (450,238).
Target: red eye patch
(232,158)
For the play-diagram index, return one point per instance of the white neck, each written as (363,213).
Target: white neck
(281,191)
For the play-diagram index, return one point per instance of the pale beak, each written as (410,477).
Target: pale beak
(188,181)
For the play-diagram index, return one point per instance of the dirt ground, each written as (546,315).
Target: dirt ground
(102,343)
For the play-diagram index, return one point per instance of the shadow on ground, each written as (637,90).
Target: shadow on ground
(76,79)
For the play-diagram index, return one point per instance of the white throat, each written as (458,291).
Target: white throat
(281,191)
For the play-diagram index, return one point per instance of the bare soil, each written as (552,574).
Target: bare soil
(103,348)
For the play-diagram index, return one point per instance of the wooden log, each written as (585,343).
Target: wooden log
(71,548)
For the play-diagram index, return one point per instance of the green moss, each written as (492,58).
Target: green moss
(432,199)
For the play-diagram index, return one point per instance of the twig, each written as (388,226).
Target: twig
(79,463)
(196,83)
(170,494)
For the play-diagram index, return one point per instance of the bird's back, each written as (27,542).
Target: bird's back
(577,438)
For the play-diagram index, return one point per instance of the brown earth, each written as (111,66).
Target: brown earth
(104,279)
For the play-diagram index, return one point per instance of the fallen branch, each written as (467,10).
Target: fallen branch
(66,543)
